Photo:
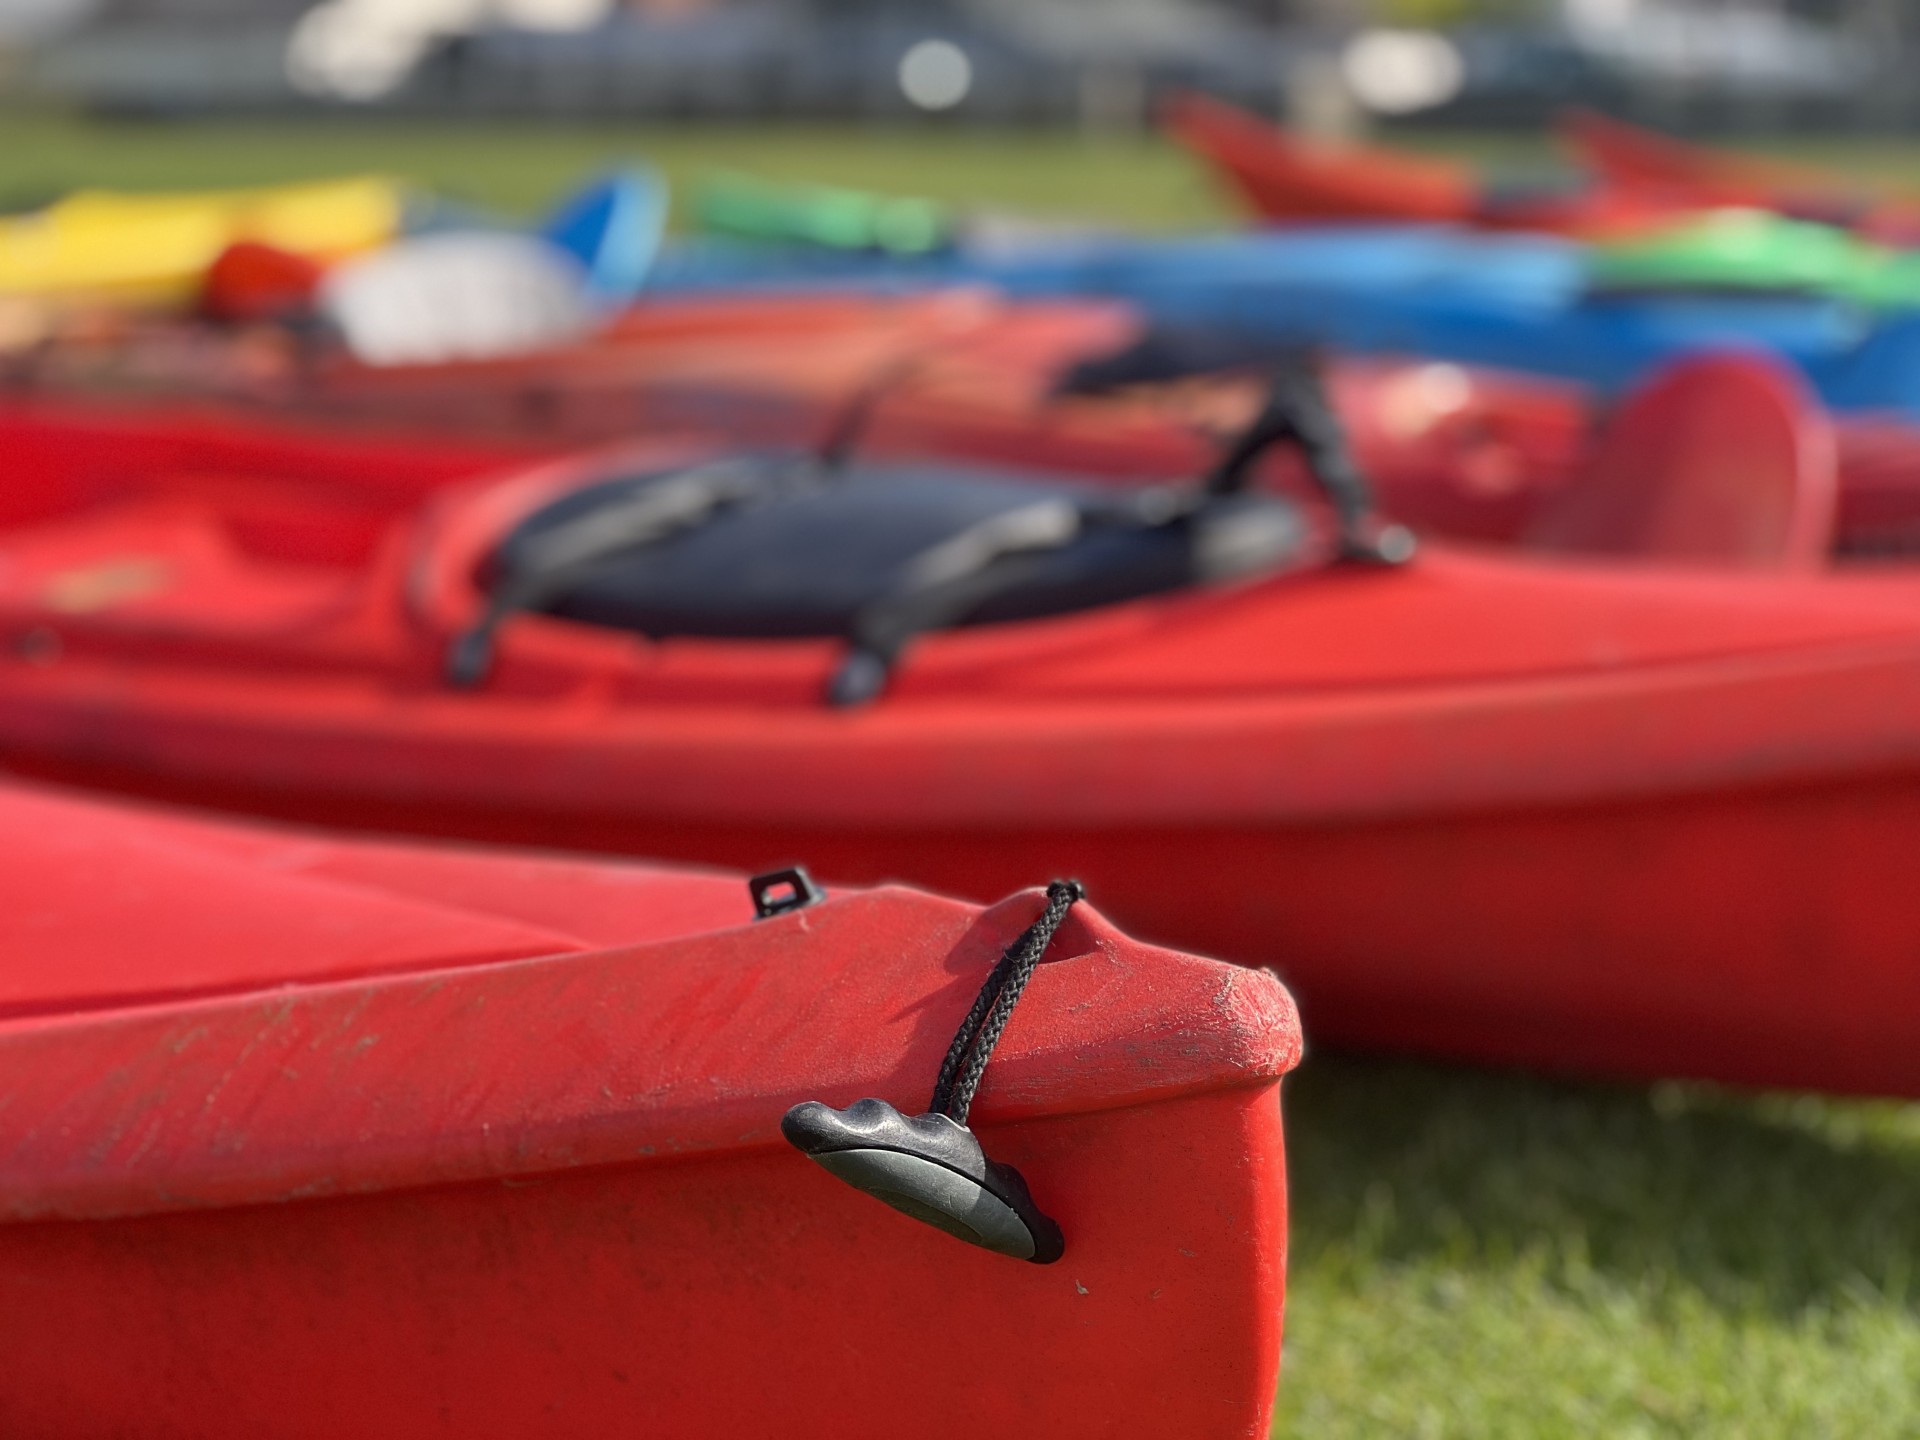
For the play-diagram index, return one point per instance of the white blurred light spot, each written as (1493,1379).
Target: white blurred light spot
(936,74)
(554,15)
(340,50)
(1413,402)
(1395,72)
(364,49)
(24,20)
(1592,17)
(1443,388)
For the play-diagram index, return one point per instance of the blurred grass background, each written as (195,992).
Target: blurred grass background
(1474,1254)
(522,167)
(519,168)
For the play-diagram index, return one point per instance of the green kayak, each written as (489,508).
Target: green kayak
(837,219)
(1759,252)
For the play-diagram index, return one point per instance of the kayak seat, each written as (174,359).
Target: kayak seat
(785,547)
(819,545)
(1722,461)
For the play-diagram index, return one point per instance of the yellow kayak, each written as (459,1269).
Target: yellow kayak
(153,249)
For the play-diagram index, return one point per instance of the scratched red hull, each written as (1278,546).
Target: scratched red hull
(305,1137)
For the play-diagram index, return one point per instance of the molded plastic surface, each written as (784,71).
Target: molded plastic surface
(547,1195)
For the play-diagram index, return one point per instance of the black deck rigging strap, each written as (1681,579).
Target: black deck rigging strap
(569,553)
(950,580)
(1297,409)
(574,552)
(944,583)
(954,577)
(851,420)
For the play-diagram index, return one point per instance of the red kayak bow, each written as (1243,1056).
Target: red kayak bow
(1644,162)
(491,1143)
(1289,180)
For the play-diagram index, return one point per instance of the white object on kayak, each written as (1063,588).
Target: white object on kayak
(465,295)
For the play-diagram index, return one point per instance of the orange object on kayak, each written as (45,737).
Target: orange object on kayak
(433,1139)
(1577,811)
(250,282)
(1287,179)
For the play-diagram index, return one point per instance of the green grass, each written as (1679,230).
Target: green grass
(1481,1255)
(1474,1255)
(520,168)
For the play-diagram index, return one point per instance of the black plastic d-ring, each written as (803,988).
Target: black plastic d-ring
(779,891)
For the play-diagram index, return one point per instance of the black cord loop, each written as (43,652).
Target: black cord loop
(973,1043)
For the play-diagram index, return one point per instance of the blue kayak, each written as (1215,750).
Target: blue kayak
(613,228)
(1519,302)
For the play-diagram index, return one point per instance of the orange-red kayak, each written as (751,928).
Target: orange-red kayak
(1637,161)
(306,1136)
(1292,180)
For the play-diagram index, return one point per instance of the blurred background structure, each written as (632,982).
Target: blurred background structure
(1723,65)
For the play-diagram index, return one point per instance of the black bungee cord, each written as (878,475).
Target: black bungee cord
(932,1166)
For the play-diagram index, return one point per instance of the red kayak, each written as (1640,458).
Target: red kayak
(1292,180)
(1579,809)
(1644,162)
(670,362)
(1461,452)
(1452,449)
(312,1137)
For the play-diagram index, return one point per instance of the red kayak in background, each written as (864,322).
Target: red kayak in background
(670,362)
(1453,449)
(1644,162)
(492,1144)
(1293,180)
(1463,452)
(1574,809)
